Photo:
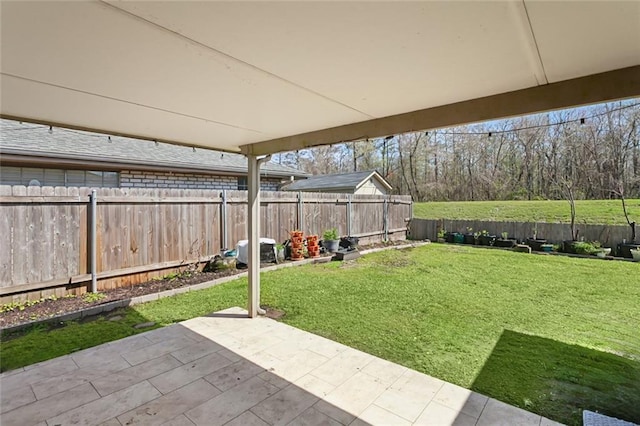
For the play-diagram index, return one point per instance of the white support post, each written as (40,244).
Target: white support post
(253,184)
(223,221)
(253,204)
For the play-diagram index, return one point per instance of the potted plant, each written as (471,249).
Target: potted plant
(313,249)
(486,239)
(536,243)
(280,253)
(505,241)
(469,237)
(297,245)
(449,237)
(330,240)
(603,252)
(635,253)
(349,243)
(547,248)
(442,235)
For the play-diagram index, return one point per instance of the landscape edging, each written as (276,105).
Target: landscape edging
(110,306)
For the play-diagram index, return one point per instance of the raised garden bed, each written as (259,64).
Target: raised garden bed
(536,243)
(624,249)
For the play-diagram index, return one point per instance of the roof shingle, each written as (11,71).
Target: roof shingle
(37,140)
(336,182)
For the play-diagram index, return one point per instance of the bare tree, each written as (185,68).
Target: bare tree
(521,158)
(619,191)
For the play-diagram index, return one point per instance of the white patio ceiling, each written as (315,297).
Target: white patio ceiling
(262,77)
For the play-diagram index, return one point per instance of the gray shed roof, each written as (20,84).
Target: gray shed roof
(336,182)
(26,140)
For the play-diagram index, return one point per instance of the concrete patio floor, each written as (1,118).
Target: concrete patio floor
(227,369)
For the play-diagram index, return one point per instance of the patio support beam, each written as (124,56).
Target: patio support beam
(253,204)
(608,86)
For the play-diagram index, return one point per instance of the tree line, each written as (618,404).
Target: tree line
(593,151)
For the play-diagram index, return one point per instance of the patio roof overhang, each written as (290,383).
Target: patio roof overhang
(263,77)
(266,77)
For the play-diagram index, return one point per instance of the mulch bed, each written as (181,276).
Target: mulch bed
(51,308)
(63,305)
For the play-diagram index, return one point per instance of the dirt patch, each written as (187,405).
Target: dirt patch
(349,264)
(53,307)
(273,313)
(396,263)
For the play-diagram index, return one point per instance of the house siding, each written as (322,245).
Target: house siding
(142,179)
(372,187)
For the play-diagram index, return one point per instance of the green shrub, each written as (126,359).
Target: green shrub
(584,247)
(330,234)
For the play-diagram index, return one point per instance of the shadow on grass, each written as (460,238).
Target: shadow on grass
(558,380)
(45,341)
(206,380)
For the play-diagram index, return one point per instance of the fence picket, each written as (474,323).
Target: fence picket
(43,231)
(608,235)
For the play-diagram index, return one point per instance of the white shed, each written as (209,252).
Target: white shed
(367,182)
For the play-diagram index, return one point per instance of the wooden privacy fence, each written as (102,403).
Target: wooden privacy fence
(45,232)
(608,235)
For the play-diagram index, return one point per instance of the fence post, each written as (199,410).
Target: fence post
(385,218)
(93,240)
(223,219)
(300,212)
(411,209)
(349,215)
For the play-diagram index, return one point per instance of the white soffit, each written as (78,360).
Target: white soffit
(379,58)
(577,39)
(226,74)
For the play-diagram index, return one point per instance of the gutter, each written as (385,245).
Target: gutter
(19,157)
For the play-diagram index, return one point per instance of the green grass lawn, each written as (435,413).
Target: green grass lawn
(550,334)
(587,211)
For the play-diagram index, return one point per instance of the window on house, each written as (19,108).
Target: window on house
(10,175)
(242,183)
(30,176)
(54,177)
(75,178)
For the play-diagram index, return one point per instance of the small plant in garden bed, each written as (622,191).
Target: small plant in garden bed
(93,297)
(21,306)
(584,247)
(172,276)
